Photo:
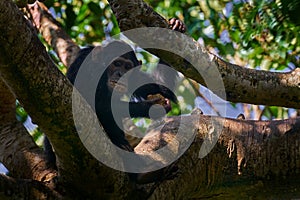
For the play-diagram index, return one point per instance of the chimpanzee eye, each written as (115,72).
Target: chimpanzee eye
(118,63)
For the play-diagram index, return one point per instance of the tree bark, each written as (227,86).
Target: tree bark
(241,84)
(53,33)
(19,153)
(269,149)
(46,94)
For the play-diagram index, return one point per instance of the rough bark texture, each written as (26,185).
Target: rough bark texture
(11,188)
(7,104)
(270,150)
(241,84)
(46,96)
(259,154)
(54,35)
(19,153)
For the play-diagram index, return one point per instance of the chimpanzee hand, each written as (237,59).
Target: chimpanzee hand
(177,25)
(161,100)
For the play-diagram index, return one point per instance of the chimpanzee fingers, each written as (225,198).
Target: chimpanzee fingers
(182,28)
(167,105)
(171,22)
(177,25)
(155,98)
(160,100)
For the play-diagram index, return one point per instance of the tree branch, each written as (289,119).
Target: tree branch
(29,160)
(248,150)
(7,103)
(53,33)
(46,94)
(241,84)
(11,188)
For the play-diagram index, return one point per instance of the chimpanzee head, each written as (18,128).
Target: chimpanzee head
(119,65)
(108,58)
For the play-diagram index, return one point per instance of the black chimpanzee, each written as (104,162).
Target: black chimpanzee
(110,82)
(146,96)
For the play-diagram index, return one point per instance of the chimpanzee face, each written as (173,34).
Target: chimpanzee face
(115,71)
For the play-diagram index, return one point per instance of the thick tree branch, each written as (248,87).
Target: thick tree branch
(241,84)
(11,188)
(53,33)
(46,95)
(16,76)
(7,104)
(248,150)
(28,159)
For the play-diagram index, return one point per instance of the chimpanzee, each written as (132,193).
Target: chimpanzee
(110,82)
(146,96)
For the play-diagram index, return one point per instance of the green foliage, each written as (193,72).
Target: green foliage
(86,21)
(256,33)
(21,114)
(37,136)
(33,130)
(260,34)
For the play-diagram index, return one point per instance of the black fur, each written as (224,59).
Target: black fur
(138,108)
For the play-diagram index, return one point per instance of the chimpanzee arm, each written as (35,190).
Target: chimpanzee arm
(163,78)
(160,107)
(156,88)
(142,109)
(139,109)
